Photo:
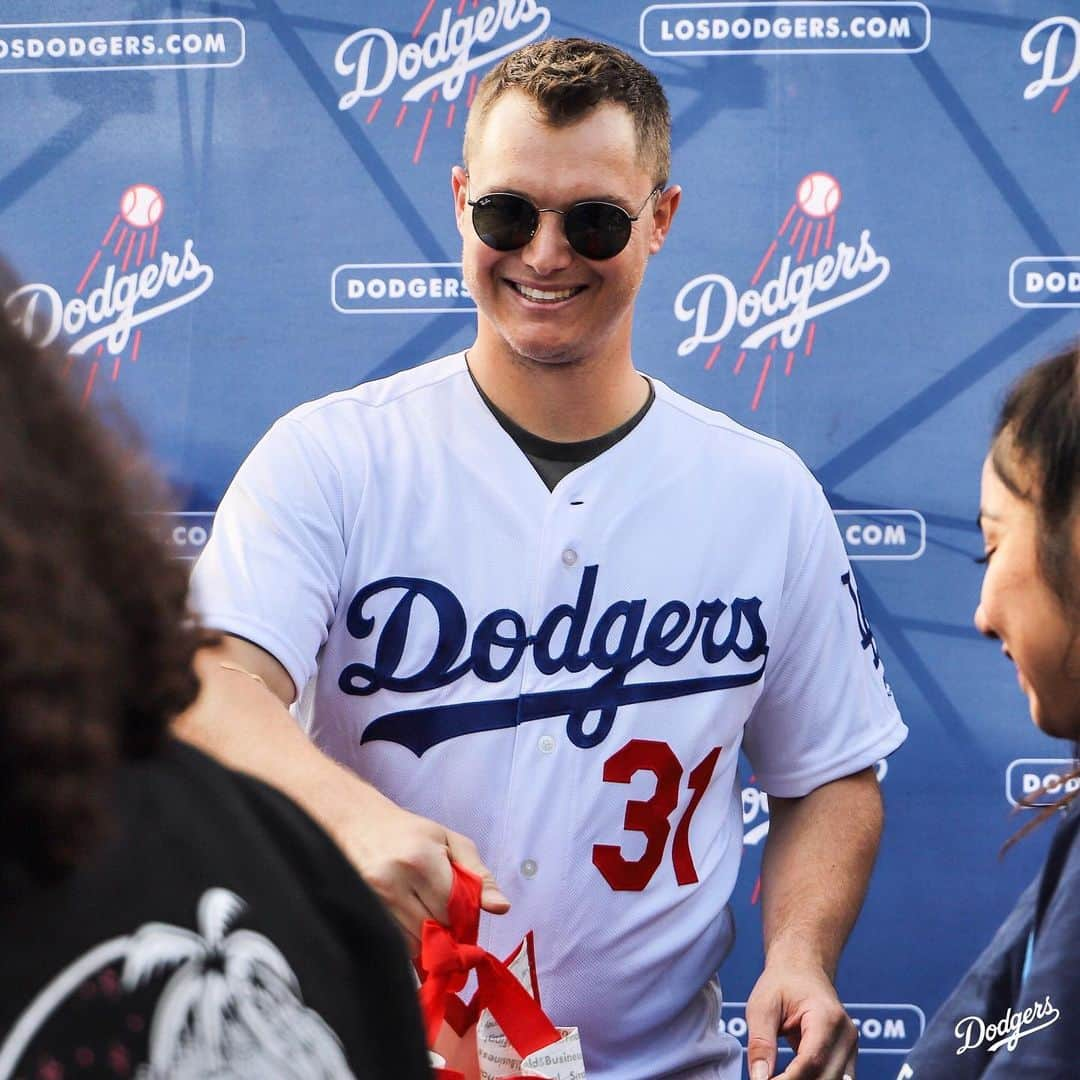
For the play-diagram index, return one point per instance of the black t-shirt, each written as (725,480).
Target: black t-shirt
(1028,977)
(555,460)
(218,932)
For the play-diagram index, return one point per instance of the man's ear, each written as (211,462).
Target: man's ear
(459,185)
(667,202)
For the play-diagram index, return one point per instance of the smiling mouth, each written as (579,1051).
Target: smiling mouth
(546,296)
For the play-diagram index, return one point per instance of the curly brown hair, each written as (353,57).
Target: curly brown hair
(96,643)
(568,78)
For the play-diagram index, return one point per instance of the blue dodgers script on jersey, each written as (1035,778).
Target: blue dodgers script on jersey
(668,637)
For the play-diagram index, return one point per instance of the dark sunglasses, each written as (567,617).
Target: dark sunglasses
(597,230)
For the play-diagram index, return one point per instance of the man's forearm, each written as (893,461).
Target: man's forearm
(816,868)
(243,724)
(405,858)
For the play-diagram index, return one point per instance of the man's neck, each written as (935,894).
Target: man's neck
(563,402)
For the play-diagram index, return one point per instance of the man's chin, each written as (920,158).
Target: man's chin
(547,356)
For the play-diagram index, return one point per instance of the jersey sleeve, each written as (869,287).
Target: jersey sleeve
(271,570)
(825,710)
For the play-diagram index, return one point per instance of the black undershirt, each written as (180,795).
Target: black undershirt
(554,460)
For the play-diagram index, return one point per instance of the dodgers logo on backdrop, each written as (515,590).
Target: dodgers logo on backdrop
(437,70)
(804,274)
(1052,46)
(406,616)
(139,280)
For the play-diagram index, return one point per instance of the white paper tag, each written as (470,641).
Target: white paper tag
(562,1060)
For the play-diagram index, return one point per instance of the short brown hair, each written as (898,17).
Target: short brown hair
(568,78)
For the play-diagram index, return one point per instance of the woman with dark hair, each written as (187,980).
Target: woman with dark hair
(159,914)
(1014,1013)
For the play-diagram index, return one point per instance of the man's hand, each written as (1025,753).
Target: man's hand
(814,874)
(240,717)
(802,1005)
(406,860)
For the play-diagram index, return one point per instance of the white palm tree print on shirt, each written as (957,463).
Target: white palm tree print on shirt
(232,1008)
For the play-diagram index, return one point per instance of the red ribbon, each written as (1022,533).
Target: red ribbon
(449,953)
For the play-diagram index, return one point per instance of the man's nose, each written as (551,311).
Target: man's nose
(548,250)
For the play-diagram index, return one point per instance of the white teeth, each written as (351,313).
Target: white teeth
(538,294)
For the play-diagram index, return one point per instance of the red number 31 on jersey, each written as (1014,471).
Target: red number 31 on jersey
(652,817)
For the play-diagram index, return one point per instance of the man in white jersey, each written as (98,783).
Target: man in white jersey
(535,604)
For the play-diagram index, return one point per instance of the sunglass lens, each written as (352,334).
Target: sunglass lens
(504,222)
(598,230)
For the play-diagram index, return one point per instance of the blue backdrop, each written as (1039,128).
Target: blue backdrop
(233,207)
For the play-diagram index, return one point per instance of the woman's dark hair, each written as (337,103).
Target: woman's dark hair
(1038,429)
(1036,455)
(96,643)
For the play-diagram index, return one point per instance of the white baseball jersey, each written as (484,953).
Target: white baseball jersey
(566,677)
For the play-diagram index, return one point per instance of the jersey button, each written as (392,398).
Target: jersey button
(529,868)
(546,744)
(569,557)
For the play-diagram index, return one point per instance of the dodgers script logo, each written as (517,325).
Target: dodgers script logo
(139,280)
(438,66)
(1053,46)
(779,313)
(620,639)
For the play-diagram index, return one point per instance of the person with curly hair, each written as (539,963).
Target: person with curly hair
(159,914)
(1013,1013)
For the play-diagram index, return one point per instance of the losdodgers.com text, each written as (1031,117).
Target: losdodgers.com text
(374,59)
(111,308)
(114,45)
(782,28)
(715,305)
